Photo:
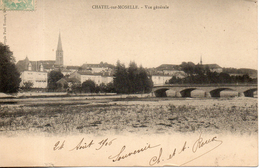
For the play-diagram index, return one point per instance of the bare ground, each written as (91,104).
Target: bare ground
(122,116)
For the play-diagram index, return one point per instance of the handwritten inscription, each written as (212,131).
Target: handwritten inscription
(121,156)
(198,144)
(57,146)
(83,145)
(105,142)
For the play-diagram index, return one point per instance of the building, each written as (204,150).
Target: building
(160,79)
(22,65)
(59,54)
(98,78)
(163,73)
(107,78)
(35,75)
(66,72)
(66,82)
(98,68)
(170,69)
(48,65)
(72,68)
(36,72)
(213,67)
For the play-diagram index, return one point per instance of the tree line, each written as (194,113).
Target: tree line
(131,79)
(199,74)
(88,86)
(127,80)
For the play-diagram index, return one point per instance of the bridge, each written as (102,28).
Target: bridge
(211,90)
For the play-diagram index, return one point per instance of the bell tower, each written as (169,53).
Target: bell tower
(59,53)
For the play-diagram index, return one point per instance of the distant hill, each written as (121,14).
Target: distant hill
(241,71)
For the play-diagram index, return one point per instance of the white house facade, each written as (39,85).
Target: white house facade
(37,78)
(160,79)
(98,78)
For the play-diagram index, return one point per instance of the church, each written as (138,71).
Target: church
(36,72)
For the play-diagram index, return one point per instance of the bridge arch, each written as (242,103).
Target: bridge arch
(250,92)
(161,92)
(216,92)
(187,92)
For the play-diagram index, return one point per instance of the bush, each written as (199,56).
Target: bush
(88,86)
(27,86)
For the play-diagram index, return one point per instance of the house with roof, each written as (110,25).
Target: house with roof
(36,71)
(34,74)
(97,68)
(67,82)
(170,69)
(163,73)
(72,68)
(213,67)
(98,78)
(22,65)
(66,72)
(160,79)
(48,65)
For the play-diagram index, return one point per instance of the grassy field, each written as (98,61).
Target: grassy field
(149,116)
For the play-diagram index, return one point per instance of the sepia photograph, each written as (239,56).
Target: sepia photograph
(128,83)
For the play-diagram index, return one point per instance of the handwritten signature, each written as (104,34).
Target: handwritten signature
(124,153)
(198,144)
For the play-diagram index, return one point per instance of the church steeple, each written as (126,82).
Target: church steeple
(200,60)
(59,53)
(59,47)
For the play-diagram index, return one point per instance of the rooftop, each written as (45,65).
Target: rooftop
(168,67)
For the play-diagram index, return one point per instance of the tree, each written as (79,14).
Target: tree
(9,75)
(89,86)
(188,68)
(107,88)
(132,79)
(224,78)
(102,87)
(53,78)
(145,81)
(27,85)
(121,80)
(110,88)
(175,80)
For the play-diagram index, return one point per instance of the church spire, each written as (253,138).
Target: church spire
(59,53)
(200,60)
(59,47)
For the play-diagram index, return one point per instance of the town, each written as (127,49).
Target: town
(35,75)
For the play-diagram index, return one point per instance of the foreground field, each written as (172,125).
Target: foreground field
(149,116)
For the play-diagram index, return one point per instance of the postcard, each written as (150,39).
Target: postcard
(128,83)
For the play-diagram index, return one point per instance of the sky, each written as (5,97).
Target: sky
(220,31)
